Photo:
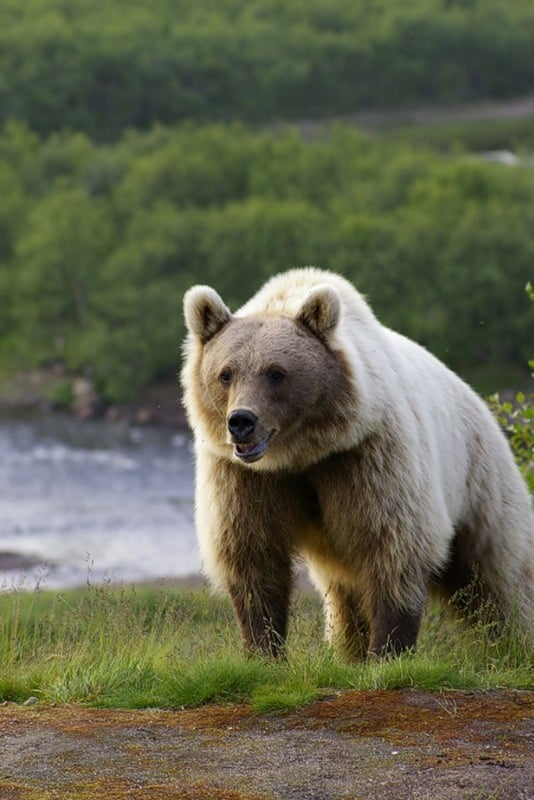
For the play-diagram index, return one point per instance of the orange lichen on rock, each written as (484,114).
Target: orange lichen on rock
(445,715)
(380,744)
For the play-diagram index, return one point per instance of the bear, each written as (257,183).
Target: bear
(323,436)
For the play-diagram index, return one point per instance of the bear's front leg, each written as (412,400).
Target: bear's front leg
(244,523)
(262,611)
(393,630)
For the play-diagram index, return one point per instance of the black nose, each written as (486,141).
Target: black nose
(241,424)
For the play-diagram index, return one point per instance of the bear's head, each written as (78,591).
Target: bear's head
(267,389)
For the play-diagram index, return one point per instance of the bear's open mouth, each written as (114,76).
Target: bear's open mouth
(252,452)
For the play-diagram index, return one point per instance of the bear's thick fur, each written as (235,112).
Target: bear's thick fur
(323,435)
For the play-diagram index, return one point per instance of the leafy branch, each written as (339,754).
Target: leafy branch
(517,419)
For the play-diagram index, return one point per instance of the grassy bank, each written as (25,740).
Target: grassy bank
(165,647)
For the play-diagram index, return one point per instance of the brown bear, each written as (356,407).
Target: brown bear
(320,434)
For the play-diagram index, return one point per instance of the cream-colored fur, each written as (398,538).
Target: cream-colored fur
(388,476)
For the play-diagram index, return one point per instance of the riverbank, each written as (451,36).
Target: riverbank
(42,391)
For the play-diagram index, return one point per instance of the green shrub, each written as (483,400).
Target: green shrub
(517,419)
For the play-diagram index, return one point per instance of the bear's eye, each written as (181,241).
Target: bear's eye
(226,377)
(275,376)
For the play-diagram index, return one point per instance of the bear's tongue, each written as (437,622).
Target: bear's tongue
(249,451)
(245,449)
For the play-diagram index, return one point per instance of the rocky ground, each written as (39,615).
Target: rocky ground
(368,745)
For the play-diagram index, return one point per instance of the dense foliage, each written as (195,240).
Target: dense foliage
(517,418)
(101,66)
(128,172)
(98,242)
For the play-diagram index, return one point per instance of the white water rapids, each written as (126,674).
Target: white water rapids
(89,501)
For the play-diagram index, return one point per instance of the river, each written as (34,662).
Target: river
(88,501)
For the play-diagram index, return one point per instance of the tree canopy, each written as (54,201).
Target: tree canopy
(101,66)
(146,146)
(100,241)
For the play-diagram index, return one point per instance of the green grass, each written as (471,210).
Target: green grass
(169,648)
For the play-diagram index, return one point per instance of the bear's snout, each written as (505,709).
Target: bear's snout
(248,436)
(242,424)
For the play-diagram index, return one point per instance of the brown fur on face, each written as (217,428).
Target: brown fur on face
(274,368)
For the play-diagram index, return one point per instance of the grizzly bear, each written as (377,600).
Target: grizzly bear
(322,435)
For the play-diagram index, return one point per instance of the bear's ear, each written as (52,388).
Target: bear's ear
(320,311)
(205,313)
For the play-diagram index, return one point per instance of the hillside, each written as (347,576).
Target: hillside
(186,142)
(103,66)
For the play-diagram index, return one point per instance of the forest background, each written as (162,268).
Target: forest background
(152,144)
